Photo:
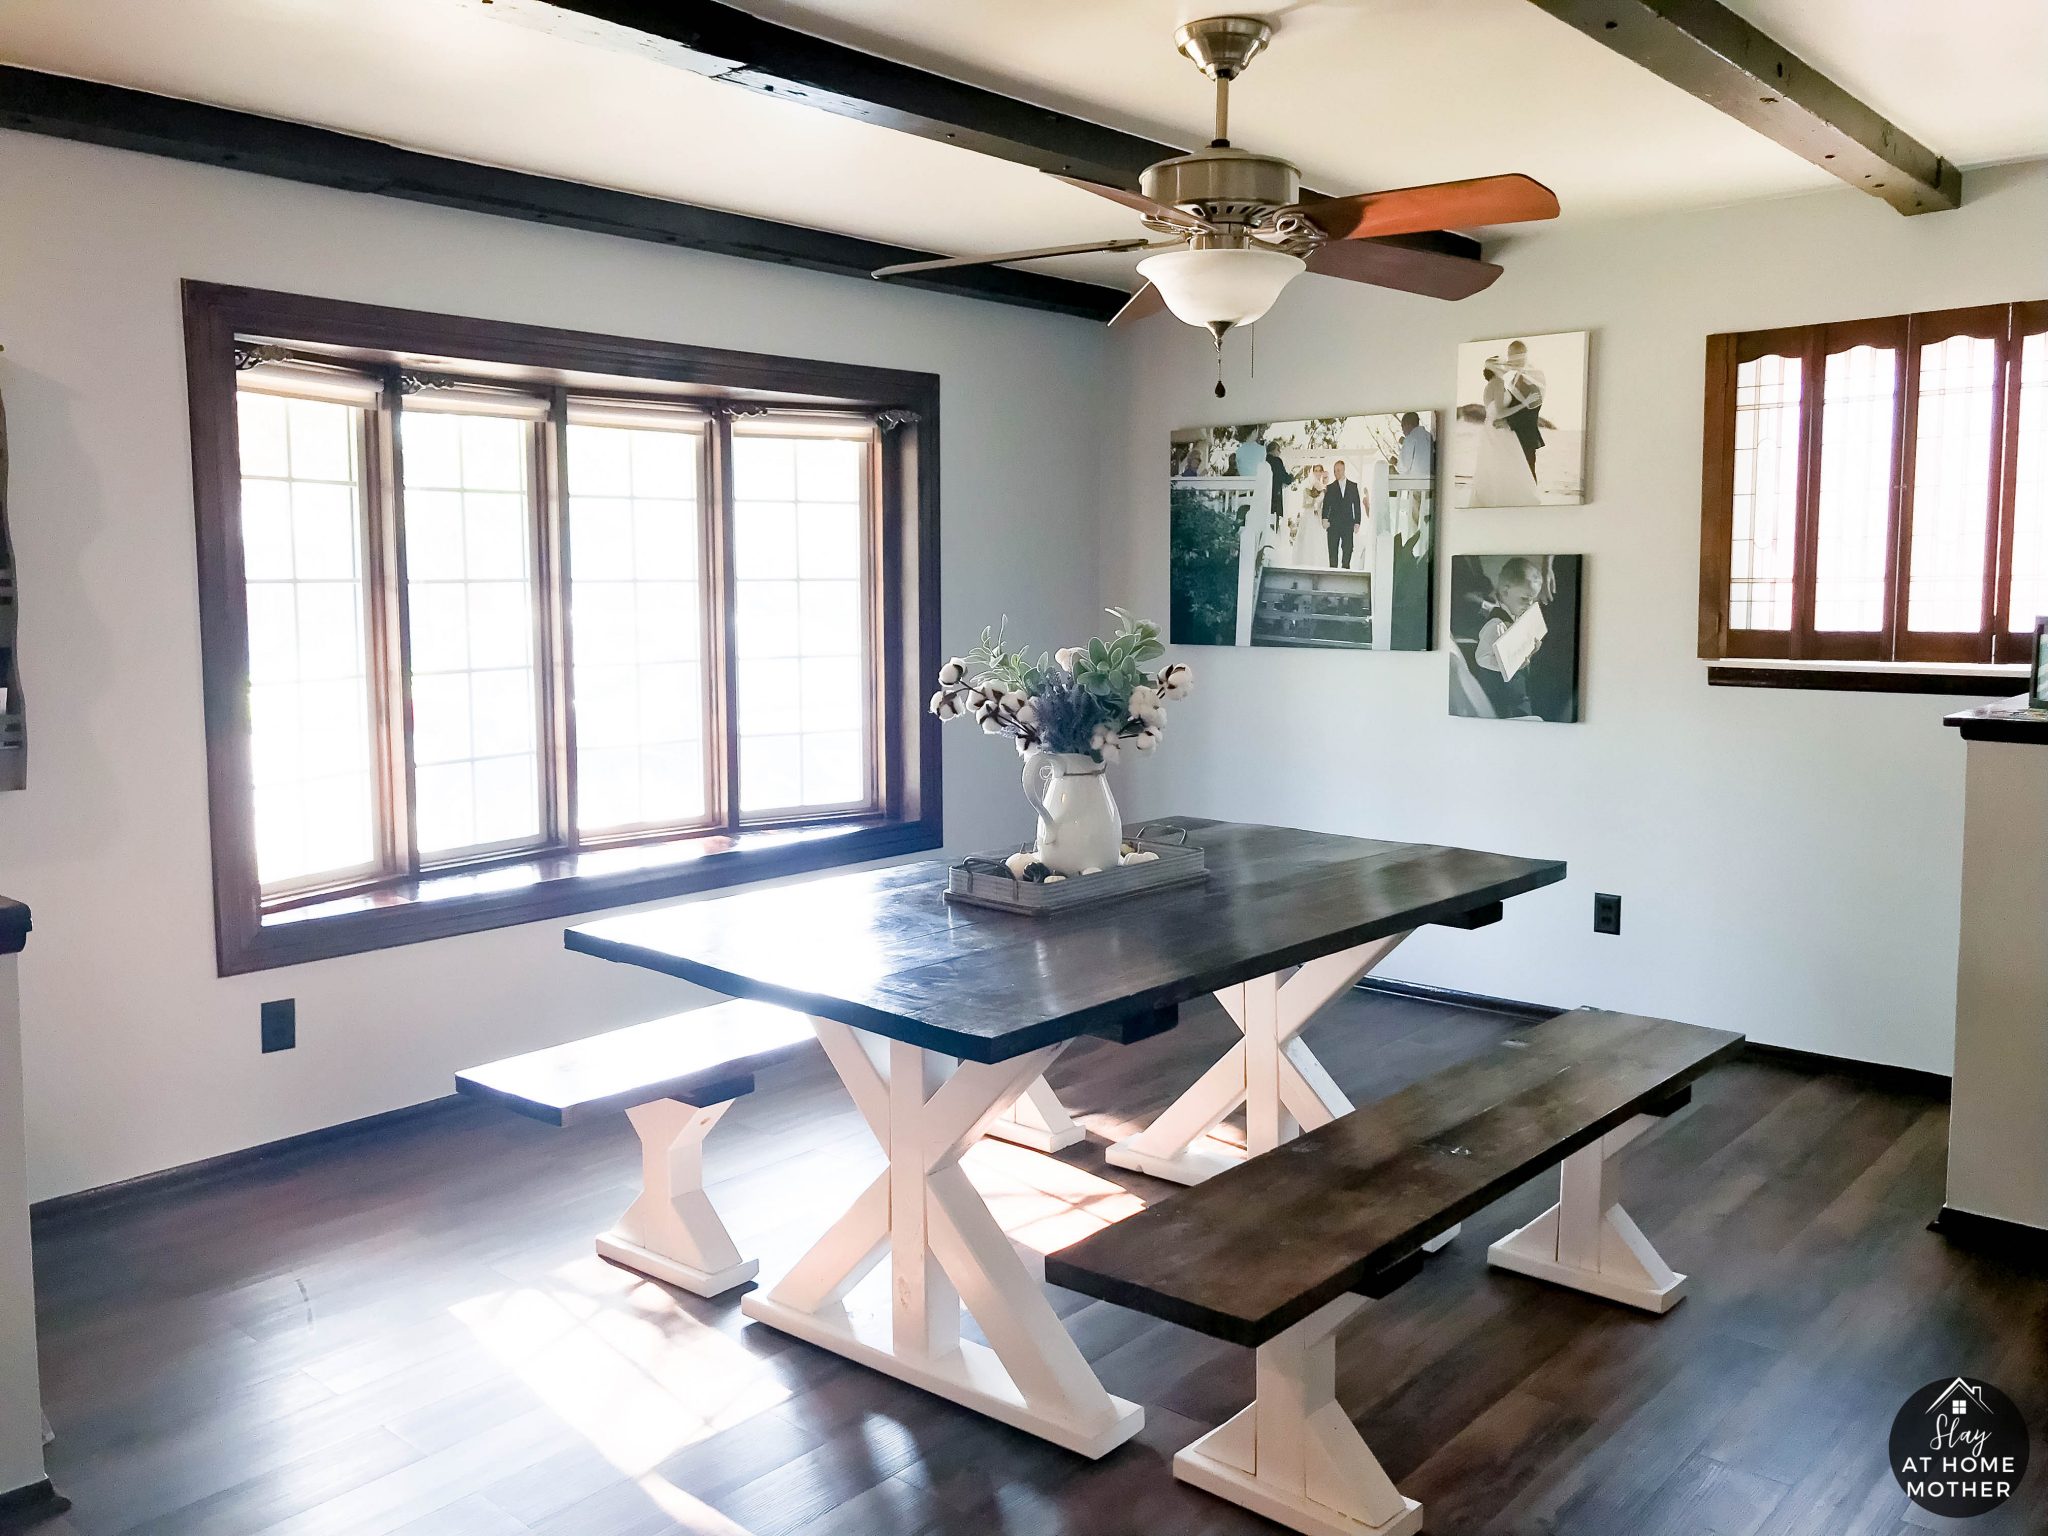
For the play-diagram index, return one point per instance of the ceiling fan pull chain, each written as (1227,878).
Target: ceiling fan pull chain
(1219,364)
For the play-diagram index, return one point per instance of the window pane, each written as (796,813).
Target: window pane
(806,741)
(1952,485)
(1861,387)
(311,730)
(472,609)
(636,626)
(1767,397)
(2030,490)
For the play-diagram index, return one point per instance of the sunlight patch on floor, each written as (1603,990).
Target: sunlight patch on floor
(692,1517)
(1042,1203)
(638,1384)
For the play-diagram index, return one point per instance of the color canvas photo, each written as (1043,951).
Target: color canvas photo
(1306,533)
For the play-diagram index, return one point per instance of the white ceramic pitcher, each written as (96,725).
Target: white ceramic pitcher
(1078,825)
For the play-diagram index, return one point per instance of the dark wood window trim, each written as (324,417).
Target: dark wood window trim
(1919,661)
(1964,682)
(411,905)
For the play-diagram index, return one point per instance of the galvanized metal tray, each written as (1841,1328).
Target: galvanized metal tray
(982,880)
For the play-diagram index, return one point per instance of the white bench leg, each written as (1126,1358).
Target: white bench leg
(1587,1241)
(671,1233)
(1294,1456)
(1038,1120)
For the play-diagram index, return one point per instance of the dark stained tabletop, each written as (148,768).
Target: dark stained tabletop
(884,951)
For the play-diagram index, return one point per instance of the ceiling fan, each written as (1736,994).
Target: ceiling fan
(1231,231)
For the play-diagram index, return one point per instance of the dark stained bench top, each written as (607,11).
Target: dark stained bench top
(883,951)
(705,1056)
(1261,1246)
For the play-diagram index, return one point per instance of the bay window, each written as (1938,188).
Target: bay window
(502,623)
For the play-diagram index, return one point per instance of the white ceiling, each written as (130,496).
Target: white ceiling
(1361,93)
(1968,78)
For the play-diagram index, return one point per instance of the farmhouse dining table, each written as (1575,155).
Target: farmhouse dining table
(938,1017)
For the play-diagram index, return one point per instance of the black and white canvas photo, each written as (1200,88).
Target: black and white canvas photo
(1515,636)
(1518,437)
(1306,533)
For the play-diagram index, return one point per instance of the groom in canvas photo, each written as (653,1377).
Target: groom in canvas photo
(1522,410)
(1519,436)
(1341,516)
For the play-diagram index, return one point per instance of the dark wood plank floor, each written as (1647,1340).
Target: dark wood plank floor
(409,1333)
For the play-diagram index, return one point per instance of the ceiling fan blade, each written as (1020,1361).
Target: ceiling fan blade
(1146,301)
(1138,202)
(1412,269)
(1444,205)
(1137,243)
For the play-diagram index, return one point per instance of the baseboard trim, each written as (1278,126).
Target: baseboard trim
(85,1201)
(1930,1085)
(1507,1006)
(60,1207)
(1993,1236)
(1925,1085)
(30,1506)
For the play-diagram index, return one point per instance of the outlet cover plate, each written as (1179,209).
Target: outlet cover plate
(280,1025)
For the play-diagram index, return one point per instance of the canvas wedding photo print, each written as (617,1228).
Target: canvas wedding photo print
(1519,432)
(1515,636)
(1306,533)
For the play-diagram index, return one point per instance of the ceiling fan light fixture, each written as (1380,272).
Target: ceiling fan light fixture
(1221,288)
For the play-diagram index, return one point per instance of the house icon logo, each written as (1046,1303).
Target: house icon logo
(1959,1447)
(1959,1398)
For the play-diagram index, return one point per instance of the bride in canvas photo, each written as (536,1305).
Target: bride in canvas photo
(1518,438)
(1317,532)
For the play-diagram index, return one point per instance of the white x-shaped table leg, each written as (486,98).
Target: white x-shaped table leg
(1038,1120)
(1271,1072)
(945,1250)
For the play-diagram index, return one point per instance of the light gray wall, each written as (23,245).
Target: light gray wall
(1788,862)
(21,1412)
(138,1057)
(1998,1131)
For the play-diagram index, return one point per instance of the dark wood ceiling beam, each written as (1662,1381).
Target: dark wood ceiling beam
(725,43)
(1708,51)
(243,141)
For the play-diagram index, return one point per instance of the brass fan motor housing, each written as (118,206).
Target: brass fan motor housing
(1225,186)
(1221,46)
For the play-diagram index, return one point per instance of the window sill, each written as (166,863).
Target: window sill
(470,901)
(1984,682)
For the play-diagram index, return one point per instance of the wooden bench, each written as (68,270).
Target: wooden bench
(1278,1252)
(674,1078)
